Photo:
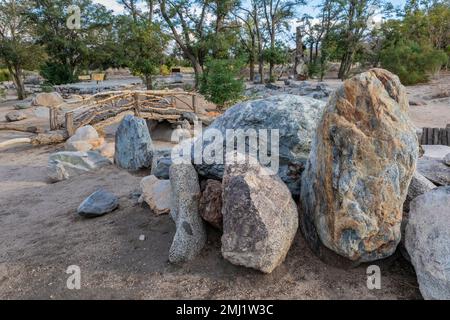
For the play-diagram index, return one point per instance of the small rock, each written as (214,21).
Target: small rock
(15,116)
(157,194)
(260,218)
(134,146)
(52,99)
(64,165)
(435,171)
(161,171)
(85,139)
(142,238)
(447,159)
(428,242)
(211,204)
(190,237)
(98,204)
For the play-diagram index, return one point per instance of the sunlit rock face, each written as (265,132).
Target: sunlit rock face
(361,164)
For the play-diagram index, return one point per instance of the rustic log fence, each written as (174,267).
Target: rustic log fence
(436,136)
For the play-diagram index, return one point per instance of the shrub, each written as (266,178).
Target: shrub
(56,73)
(412,62)
(164,70)
(4,75)
(220,82)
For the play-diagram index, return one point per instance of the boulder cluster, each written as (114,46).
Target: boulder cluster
(351,178)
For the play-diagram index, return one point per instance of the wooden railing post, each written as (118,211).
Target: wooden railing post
(69,124)
(137,109)
(53,115)
(194,103)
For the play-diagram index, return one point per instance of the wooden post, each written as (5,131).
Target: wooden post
(137,108)
(69,124)
(194,103)
(53,119)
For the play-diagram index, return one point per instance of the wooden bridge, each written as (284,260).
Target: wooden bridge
(106,108)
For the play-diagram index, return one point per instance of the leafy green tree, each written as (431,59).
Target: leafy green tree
(17,50)
(221,82)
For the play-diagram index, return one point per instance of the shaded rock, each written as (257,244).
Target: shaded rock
(190,237)
(98,204)
(157,194)
(361,164)
(15,116)
(134,146)
(296,119)
(428,242)
(260,218)
(435,171)
(64,165)
(52,99)
(419,185)
(435,152)
(162,168)
(211,203)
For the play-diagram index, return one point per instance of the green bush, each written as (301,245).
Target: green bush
(412,62)
(221,83)
(56,73)
(4,75)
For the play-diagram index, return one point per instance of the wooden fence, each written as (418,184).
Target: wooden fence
(436,136)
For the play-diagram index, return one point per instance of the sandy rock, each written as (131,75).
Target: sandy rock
(64,165)
(435,171)
(296,119)
(98,204)
(108,150)
(190,237)
(428,242)
(157,194)
(15,116)
(134,146)
(52,99)
(85,138)
(260,218)
(211,204)
(361,164)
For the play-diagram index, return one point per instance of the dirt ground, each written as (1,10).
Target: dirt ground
(41,236)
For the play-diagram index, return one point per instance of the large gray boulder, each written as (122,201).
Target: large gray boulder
(98,204)
(434,170)
(260,218)
(361,164)
(64,165)
(190,237)
(134,146)
(428,242)
(296,119)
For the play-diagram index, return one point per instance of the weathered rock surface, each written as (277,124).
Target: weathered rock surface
(52,99)
(98,204)
(190,237)
(418,186)
(361,165)
(211,203)
(428,242)
(134,146)
(296,119)
(260,218)
(157,194)
(435,171)
(64,165)
(15,115)
(435,152)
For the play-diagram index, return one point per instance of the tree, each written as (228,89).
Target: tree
(17,50)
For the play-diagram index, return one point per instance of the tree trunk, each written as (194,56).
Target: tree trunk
(149,82)
(299,54)
(252,67)
(16,74)
(346,65)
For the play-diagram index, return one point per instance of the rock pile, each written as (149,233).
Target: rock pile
(310,89)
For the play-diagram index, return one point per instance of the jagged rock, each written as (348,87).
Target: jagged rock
(419,185)
(361,164)
(98,204)
(296,119)
(435,171)
(64,165)
(52,99)
(134,146)
(15,116)
(157,194)
(211,203)
(428,242)
(190,236)
(260,218)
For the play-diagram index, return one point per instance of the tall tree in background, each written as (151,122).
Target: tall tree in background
(17,50)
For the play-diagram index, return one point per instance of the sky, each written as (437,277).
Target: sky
(309,8)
